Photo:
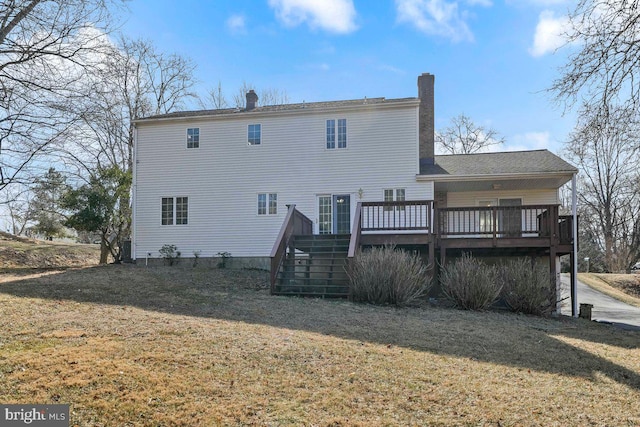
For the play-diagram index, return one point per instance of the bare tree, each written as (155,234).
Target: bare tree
(269,96)
(215,99)
(132,80)
(18,201)
(463,136)
(609,178)
(43,50)
(604,69)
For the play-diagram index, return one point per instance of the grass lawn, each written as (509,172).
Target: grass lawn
(130,346)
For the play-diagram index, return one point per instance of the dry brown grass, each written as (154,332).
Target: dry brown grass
(623,287)
(129,346)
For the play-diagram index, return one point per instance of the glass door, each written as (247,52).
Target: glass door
(334,214)
(325,215)
(342,217)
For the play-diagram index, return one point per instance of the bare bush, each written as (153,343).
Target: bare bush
(470,284)
(387,276)
(526,286)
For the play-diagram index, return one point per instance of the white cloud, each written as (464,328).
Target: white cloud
(435,17)
(540,3)
(549,34)
(237,24)
(528,141)
(391,69)
(483,3)
(336,16)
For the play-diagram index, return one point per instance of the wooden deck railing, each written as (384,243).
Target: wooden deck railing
(397,216)
(500,222)
(566,229)
(295,223)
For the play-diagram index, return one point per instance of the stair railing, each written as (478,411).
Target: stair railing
(295,223)
(356,232)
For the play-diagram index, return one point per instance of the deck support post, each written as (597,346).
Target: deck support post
(432,256)
(553,273)
(574,252)
(572,284)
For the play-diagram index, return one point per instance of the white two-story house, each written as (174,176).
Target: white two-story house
(246,181)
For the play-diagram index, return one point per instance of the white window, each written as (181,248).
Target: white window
(193,138)
(175,211)
(394,195)
(336,135)
(267,204)
(254,134)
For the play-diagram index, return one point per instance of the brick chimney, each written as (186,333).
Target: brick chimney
(252,99)
(426,127)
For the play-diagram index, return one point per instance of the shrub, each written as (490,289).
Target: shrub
(387,276)
(470,284)
(527,287)
(170,254)
(224,257)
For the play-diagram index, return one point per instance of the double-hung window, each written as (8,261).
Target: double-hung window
(267,204)
(336,133)
(254,134)
(394,195)
(193,138)
(175,211)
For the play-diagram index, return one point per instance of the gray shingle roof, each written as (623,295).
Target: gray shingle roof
(514,162)
(273,108)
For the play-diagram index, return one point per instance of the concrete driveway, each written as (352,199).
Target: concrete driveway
(605,308)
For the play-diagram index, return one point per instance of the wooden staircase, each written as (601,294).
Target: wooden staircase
(316,268)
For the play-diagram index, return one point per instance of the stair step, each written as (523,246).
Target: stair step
(311,295)
(299,284)
(315,263)
(316,268)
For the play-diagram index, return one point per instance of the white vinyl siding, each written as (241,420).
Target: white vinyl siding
(529,197)
(225,177)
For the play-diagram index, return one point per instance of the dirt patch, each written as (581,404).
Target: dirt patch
(197,347)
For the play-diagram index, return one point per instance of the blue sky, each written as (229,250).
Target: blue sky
(492,60)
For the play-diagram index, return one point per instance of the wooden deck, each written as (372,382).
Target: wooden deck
(420,222)
(534,230)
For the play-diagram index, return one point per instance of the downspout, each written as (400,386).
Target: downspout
(574,267)
(134,193)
